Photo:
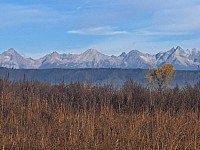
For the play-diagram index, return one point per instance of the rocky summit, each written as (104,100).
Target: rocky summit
(180,58)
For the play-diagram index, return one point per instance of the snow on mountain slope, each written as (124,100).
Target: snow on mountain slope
(92,58)
(89,59)
(91,55)
(181,59)
(195,55)
(11,59)
(55,60)
(136,59)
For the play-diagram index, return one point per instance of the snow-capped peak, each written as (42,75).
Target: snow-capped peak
(180,58)
(91,52)
(54,53)
(10,51)
(178,48)
(11,59)
(123,54)
(91,55)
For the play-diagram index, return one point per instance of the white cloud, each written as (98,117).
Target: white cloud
(152,24)
(153,17)
(104,30)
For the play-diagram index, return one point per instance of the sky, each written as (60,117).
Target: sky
(37,27)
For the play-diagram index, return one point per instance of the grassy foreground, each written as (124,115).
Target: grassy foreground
(80,116)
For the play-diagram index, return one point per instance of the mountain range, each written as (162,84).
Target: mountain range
(180,58)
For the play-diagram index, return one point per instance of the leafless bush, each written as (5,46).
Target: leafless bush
(81,116)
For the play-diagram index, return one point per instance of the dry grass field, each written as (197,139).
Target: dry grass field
(82,117)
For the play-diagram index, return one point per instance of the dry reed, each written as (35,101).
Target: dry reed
(80,116)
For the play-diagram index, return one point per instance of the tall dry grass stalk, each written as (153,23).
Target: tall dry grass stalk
(81,116)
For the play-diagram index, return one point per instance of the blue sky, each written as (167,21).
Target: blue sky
(37,27)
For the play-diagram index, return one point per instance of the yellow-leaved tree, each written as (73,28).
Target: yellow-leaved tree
(159,77)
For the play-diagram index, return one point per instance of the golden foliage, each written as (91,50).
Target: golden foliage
(160,77)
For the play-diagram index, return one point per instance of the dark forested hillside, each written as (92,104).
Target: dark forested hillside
(116,77)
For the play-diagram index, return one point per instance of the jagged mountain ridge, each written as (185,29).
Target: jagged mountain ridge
(181,59)
(12,59)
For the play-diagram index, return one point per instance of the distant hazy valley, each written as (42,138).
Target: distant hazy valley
(102,76)
(180,58)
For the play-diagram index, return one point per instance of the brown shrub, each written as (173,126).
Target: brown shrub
(81,116)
